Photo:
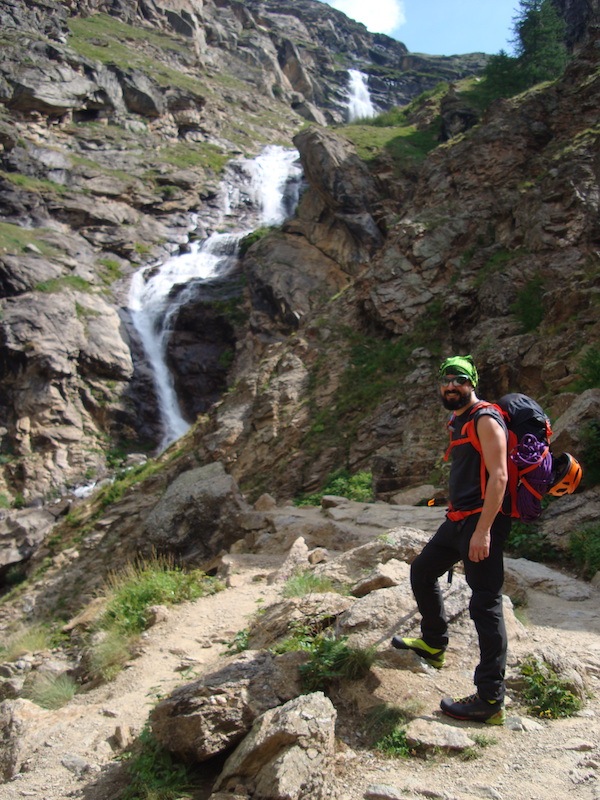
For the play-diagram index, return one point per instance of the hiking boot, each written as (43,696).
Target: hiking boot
(434,656)
(475,709)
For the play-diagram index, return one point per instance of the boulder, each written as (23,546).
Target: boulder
(288,753)
(198,515)
(201,719)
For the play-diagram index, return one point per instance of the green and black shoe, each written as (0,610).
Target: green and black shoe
(434,656)
(475,709)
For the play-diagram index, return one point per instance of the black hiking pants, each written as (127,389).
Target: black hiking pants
(449,545)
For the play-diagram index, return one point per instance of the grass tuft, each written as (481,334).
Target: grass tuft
(52,691)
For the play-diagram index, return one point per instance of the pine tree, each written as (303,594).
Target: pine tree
(540,41)
(540,51)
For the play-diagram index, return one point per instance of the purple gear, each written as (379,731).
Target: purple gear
(528,452)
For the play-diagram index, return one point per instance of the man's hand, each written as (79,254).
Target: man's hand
(479,546)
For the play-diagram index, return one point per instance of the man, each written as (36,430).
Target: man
(474,531)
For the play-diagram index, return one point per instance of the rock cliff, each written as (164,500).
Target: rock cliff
(317,351)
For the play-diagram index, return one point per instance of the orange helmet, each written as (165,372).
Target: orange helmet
(566,474)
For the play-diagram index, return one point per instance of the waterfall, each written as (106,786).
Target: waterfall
(359,100)
(254,192)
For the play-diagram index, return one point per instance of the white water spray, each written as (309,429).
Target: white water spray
(260,191)
(359,99)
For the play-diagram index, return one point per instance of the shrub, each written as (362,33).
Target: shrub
(357,487)
(584,547)
(526,541)
(394,744)
(589,369)
(547,694)
(331,660)
(529,306)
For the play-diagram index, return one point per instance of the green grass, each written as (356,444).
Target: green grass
(15,240)
(31,639)
(145,584)
(55,285)
(547,694)
(306,582)
(194,154)
(109,654)
(36,185)
(52,691)
(394,744)
(526,541)
(406,145)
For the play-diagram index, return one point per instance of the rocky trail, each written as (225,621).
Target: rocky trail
(72,752)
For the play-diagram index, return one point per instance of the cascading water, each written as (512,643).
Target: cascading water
(255,192)
(359,99)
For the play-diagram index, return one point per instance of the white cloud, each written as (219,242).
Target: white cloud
(379,16)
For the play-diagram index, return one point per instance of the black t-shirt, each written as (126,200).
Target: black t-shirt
(465,471)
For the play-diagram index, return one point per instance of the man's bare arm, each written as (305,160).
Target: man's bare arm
(493,445)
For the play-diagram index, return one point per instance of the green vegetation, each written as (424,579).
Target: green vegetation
(103,38)
(589,369)
(386,731)
(130,594)
(529,305)
(247,242)
(590,440)
(125,479)
(394,744)
(36,185)
(239,642)
(526,541)
(547,694)
(584,548)
(306,582)
(375,367)
(52,691)
(144,584)
(331,661)
(341,483)
(15,239)
(66,282)
(32,639)
(109,655)
(155,774)
(194,154)
(540,51)
(404,143)
(111,270)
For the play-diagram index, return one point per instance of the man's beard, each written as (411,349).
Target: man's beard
(456,401)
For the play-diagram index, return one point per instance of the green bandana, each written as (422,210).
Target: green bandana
(460,365)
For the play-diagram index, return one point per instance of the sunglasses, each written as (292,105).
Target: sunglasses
(457,380)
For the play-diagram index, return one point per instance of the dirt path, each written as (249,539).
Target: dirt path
(70,755)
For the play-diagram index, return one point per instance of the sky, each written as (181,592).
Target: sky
(438,27)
